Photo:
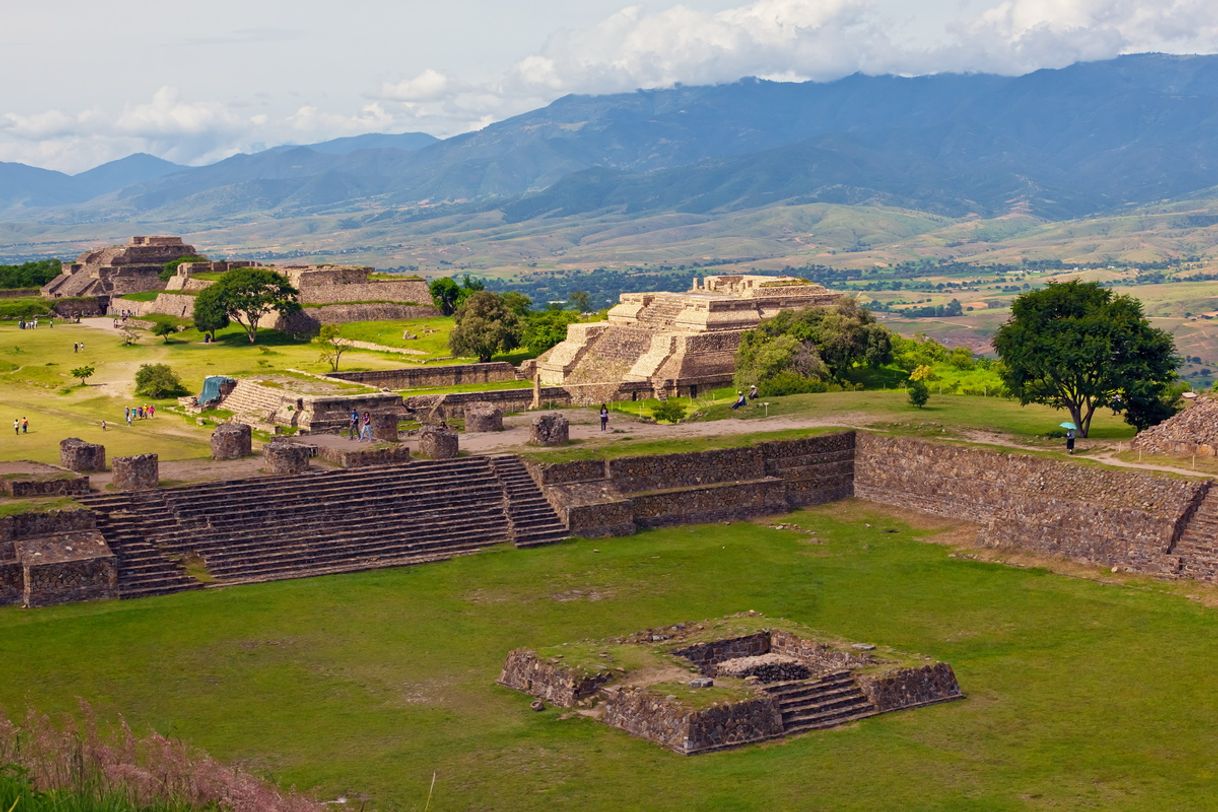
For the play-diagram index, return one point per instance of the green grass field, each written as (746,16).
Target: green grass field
(1080,693)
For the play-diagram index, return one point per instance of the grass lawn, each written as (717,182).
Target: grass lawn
(36,382)
(1080,694)
(432,334)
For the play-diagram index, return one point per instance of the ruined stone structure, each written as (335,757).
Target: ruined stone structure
(437,443)
(54,557)
(550,429)
(431,376)
(117,270)
(232,441)
(268,528)
(671,343)
(1192,431)
(286,457)
(483,416)
(77,455)
(137,473)
(385,426)
(27,480)
(299,404)
(772,682)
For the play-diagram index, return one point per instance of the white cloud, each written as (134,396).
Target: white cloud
(428,85)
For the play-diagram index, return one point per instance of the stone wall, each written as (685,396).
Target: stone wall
(12,582)
(308,321)
(231,441)
(66,568)
(432,376)
(544,679)
(178,305)
(819,656)
(510,400)
(709,503)
(910,687)
(707,655)
(45,523)
(1055,507)
(675,726)
(140,472)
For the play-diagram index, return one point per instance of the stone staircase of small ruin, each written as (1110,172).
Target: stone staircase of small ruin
(813,704)
(254,402)
(661,313)
(610,356)
(126,520)
(1197,550)
(532,518)
(323,522)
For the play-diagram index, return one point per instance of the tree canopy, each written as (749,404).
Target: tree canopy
(245,295)
(29,274)
(1078,346)
(802,350)
(485,325)
(448,294)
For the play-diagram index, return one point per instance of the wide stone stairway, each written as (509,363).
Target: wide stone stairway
(827,701)
(1197,549)
(321,522)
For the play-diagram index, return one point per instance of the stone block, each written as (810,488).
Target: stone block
(550,429)
(286,457)
(138,473)
(385,426)
(483,416)
(77,455)
(437,443)
(231,441)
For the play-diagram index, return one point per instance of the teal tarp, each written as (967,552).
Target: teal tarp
(211,388)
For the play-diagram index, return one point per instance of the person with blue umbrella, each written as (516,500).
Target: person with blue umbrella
(1070,430)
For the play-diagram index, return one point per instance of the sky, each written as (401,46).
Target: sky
(88,82)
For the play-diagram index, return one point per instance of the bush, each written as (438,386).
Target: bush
(918,393)
(24,308)
(669,411)
(158,381)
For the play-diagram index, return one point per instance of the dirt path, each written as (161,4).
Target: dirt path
(1097,451)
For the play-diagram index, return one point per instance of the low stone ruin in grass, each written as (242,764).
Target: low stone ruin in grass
(695,687)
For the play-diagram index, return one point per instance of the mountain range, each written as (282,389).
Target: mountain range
(1091,139)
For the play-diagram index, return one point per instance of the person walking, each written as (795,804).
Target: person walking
(152,410)
(25,425)
(17,426)
(130,414)
(365,432)
(127,415)
(604,417)
(103,424)
(1069,441)
(353,425)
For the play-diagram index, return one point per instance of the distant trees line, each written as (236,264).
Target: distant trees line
(29,274)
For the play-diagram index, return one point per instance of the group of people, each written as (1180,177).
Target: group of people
(360,427)
(742,400)
(32,324)
(122,316)
(21,426)
(131,413)
(78,346)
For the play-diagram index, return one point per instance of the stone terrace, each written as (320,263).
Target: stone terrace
(320,522)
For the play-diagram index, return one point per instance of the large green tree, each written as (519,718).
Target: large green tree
(798,350)
(209,313)
(447,294)
(1078,346)
(246,295)
(485,325)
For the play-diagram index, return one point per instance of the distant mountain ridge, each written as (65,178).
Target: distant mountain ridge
(1091,138)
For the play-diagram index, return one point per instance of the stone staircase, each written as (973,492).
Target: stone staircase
(253,402)
(610,355)
(532,519)
(812,704)
(322,522)
(126,520)
(661,313)
(1197,549)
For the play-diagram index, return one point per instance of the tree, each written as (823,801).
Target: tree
(544,329)
(1077,346)
(209,314)
(83,374)
(918,392)
(158,381)
(248,294)
(516,302)
(333,345)
(580,301)
(485,326)
(447,295)
(171,267)
(164,329)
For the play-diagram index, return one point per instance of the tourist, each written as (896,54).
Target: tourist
(103,424)
(353,425)
(365,432)
(152,410)
(130,414)
(17,426)
(25,425)
(75,347)
(1069,441)
(127,415)
(753,391)
(740,400)
(604,417)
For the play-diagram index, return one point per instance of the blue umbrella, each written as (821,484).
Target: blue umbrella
(1068,425)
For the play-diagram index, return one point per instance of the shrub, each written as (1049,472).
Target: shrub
(918,393)
(158,381)
(164,329)
(669,411)
(83,374)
